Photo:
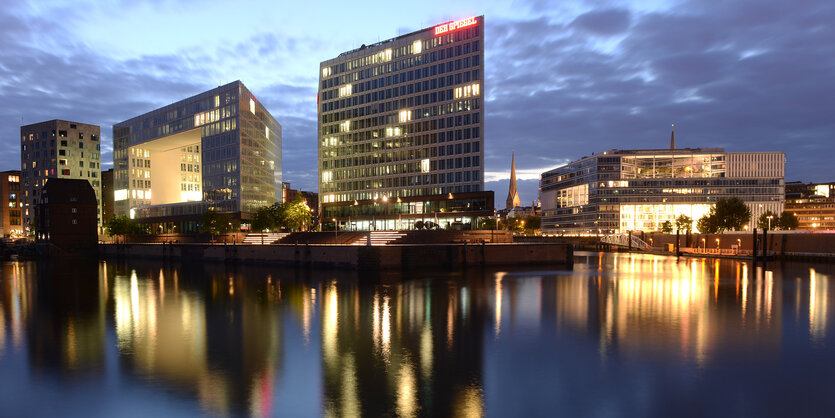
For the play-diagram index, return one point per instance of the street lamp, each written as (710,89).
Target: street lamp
(738,245)
(770,217)
(717,245)
(704,245)
(335,228)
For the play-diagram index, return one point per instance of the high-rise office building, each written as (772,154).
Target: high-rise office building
(638,190)
(218,150)
(401,130)
(11,222)
(57,149)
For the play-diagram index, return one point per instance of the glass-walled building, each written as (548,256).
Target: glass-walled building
(404,119)
(638,190)
(218,150)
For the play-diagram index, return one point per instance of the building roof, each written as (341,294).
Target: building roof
(58,190)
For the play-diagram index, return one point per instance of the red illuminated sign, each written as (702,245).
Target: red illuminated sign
(455,24)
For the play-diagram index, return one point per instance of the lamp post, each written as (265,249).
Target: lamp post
(717,245)
(335,228)
(738,245)
(770,217)
(704,245)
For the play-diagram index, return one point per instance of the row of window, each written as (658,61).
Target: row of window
(406,77)
(432,85)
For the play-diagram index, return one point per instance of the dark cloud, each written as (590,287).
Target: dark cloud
(743,75)
(603,22)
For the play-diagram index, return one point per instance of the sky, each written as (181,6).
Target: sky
(564,79)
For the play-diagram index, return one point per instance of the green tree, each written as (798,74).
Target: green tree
(216,223)
(684,223)
(265,218)
(296,214)
(763,222)
(731,214)
(788,221)
(708,224)
(121,225)
(533,224)
(667,227)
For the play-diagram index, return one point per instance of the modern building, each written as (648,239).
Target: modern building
(219,150)
(813,204)
(11,222)
(638,190)
(67,214)
(401,125)
(57,149)
(107,196)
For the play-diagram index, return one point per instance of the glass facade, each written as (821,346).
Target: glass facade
(404,117)
(639,190)
(220,149)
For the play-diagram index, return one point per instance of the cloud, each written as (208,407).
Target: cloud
(746,76)
(603,22)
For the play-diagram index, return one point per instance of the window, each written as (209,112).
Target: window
(75,221)
(63,143)
(81,135)
(62,134)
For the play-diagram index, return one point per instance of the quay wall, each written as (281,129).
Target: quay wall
(449,256)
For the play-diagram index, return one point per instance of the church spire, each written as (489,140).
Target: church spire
(673,137)
(513,194)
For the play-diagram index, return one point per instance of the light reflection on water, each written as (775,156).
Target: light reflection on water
(620,335)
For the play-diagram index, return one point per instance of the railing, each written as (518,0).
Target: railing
(623,240)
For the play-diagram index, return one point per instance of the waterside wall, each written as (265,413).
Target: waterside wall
(448,256)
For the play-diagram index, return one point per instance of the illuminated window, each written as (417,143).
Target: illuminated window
(405,115)
(327,176)
(345,90)
(267,132)
(417,47)
(345,126)
(326,71)
(424,166)
(392,131)
(252,106)
(467,91)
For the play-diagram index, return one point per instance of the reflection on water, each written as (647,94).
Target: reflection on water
(621,334)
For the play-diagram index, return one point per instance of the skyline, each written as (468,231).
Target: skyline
(747,76)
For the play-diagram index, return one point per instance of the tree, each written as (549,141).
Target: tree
(533,224)
(667,227)
(121,225)
(763,222)
(731,214)
(266,218)
(684,223)
(788,221)
(708,224)
(216,223)
(296,214)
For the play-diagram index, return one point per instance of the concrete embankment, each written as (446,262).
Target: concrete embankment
(359,257)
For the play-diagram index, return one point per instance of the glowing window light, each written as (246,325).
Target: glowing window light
(417,47)
(345,90)
(252,106)
(326,71)
(327,176)
(405,115)
(121,194)
(424,166)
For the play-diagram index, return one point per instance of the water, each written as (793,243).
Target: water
(620,335)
